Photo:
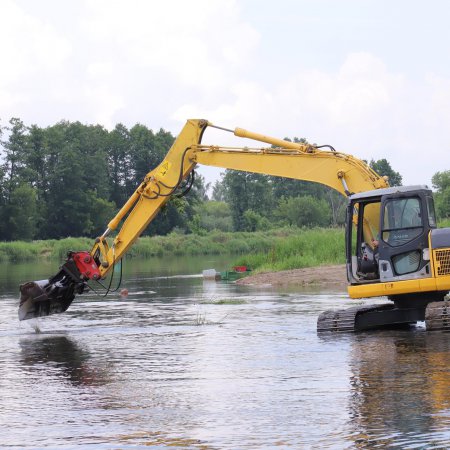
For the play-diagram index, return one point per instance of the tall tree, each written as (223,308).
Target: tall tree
(14,155)
(142,151)
(69,178)
(78,180)
(2,173)
(441,182)
(244,191)
(19,221)
(119,163)
(383,168)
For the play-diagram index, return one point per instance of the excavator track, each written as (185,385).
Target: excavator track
(345,319)
(371,317)
(437,316)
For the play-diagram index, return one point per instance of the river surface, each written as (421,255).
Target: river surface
(185,363)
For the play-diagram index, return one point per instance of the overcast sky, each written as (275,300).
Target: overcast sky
(371,78)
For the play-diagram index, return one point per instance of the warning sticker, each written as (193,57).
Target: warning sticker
(164,168)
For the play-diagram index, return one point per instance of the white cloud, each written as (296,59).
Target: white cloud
(354,97)
(178,36)
(362,109)
(30,45)
(161,63)
(438,114)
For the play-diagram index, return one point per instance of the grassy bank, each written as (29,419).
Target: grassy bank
(19,251)
(280,249)
(308,248)
(174,244)
(305,249)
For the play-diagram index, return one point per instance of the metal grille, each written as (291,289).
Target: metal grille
(443,262)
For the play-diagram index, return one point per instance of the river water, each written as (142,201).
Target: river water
(184,363)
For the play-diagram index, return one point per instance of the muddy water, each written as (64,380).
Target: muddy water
(184,363)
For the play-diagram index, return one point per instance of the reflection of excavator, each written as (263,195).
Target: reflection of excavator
(392,245)
(399,391)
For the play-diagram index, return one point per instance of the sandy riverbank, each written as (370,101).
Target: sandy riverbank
(317,276)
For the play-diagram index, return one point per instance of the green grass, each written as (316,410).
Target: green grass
(444,223)
(174,244)
(272,250)
(308,248)
(20,251)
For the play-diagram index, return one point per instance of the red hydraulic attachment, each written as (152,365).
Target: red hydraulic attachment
(86,265)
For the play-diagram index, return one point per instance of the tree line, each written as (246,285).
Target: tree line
(69,179)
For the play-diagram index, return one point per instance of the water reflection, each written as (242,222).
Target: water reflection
(400,389)
(157,439)
(63,357)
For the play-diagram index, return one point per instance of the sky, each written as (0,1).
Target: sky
(370,78)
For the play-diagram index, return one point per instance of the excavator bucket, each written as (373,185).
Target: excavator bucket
(41,298)
(53,296)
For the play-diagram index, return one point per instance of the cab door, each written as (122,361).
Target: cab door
(404,234)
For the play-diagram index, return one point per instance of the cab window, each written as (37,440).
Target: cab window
(431,213)
(403,221)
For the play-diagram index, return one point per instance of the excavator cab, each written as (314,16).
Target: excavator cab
(394,250)
(387,235)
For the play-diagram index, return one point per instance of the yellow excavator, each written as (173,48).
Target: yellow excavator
(393,246)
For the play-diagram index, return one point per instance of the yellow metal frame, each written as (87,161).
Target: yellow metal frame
(339,171)
(434,282)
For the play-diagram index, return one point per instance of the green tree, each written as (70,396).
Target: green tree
(286,187)
(2,180)
(218,190)
(68,197)
(253,221)
(18,217)
(119,164)
(14,155)
(441,182)
(212,215)
(78,179)
(101,212)
(143,156)
(244,191)
(382,167)
(303,211)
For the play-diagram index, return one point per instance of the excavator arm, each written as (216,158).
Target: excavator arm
(342,172)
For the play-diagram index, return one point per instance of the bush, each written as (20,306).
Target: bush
(303,211)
